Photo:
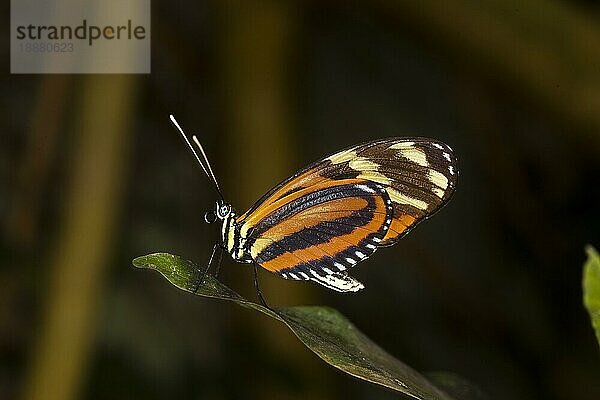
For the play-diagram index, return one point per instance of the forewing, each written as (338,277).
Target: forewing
(317,233)
(418,174)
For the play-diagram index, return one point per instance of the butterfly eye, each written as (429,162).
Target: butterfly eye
(223,211)
(210,217)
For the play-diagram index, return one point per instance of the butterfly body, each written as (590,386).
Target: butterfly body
(232,241)
(338,211)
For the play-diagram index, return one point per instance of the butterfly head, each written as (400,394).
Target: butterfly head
(221,212)
(223,209)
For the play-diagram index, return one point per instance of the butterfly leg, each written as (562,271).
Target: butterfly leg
(218,267)
(257,286)
(202,275)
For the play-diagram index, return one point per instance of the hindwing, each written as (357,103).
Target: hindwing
(318,233)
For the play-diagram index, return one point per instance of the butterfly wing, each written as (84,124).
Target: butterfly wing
(420,175)
(417,175)
(319,232)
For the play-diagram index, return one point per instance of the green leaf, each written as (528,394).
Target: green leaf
(322,329)
(591,288)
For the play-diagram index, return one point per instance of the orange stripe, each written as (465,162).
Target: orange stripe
(286,260)
(399,225)
(333,247)
(339,208)
(304,180)
(267,208)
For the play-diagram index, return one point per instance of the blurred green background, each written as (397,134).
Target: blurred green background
(93,174)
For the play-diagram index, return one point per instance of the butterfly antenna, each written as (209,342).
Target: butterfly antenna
(206,168)
(212,174)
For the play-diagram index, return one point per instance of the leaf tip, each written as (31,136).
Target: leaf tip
(139,262)
(591,251)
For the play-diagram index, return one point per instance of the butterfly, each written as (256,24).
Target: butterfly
(337,212)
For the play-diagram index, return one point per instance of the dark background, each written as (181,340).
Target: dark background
(93,175)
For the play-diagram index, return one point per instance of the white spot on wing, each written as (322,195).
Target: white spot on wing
(359,254)
(438,192)
(451,170)
(314,273)
(342,156)
(401,145)
(350,260)
(363,164)
(374,176)
(365,188)
(400,198)
(244,230)
(447,156)
(438,179)
(258,246)
(339,266)
(338,282)
(369,170)
(411,153)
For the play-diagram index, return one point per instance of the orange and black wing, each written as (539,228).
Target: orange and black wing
(318,233)
(419,175)
(416,175)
